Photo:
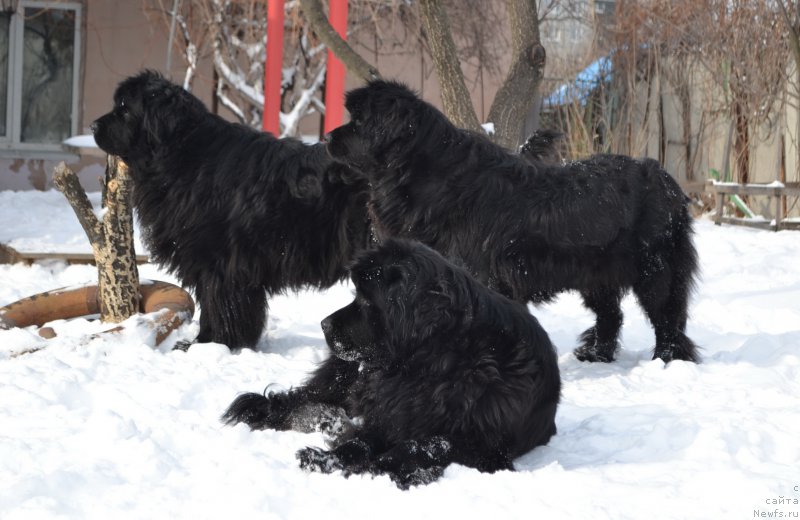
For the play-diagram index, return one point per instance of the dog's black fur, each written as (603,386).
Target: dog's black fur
(541,147)
(600,226)
(439,368)
(235,213)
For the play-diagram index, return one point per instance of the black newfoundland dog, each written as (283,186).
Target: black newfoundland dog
(437,368)
(235,213)
(526,228)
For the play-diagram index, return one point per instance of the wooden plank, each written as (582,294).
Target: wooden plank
(754,189)
(790,224)
(757,224)
(694,187)
(719,198)
(750,189)
(9,255)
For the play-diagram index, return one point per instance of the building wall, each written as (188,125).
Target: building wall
(118,40)
(773,148)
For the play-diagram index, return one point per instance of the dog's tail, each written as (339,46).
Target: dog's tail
(260,411)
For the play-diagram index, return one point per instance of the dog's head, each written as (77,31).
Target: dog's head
(406,294)
(148,112)
(385,119)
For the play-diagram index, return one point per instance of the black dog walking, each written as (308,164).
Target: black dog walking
(529,229)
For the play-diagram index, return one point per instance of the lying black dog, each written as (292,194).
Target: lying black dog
(438,368)
(233,212)
(530,230)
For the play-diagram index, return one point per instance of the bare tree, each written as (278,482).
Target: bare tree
(454,34)
(455,96)
(516,95)
(734,53)
(790,11)
(232,34)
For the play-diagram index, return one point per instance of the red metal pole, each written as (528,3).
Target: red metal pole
(273,68)
(334,76)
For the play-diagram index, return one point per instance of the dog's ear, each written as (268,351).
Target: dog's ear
(161,102)
(415,314)
(439,309)
(429,300)
(304,184)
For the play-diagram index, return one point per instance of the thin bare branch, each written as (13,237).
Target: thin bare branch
(67,183)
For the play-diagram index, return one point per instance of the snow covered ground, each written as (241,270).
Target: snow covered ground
(114,428)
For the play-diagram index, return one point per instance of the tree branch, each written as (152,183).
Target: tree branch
(793,36)
(67,183)
(291,121)
(315,15)
(456,100)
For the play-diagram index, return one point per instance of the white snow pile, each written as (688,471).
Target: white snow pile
(81,141)
(111,427)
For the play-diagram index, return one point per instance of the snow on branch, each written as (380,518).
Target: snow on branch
(291,121)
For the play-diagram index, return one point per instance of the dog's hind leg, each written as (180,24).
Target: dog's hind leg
(600,343)
(664,295)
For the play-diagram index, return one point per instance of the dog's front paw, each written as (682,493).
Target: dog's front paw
(351,457)
(259,412)
(416,477)
(183,345)
(315,459)
(330,420)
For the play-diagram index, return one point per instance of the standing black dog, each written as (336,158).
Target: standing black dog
(439,368)
(235,213)
(528,229)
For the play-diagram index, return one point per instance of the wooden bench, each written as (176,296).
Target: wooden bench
(722,190)
(9,255)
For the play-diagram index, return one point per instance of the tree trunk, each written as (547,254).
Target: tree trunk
(516,95)
(686,108)
(793,26)
(315,14)
(111,238)
(518,91)
(741,143)
(456,101)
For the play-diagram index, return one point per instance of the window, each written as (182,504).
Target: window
(39,49)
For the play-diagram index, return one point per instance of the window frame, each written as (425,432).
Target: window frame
(11,144)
